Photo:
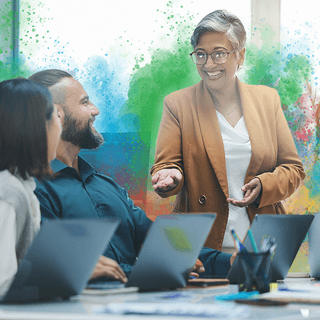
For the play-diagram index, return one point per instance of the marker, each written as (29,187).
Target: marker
(253,243)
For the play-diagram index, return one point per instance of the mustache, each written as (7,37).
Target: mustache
(92,119)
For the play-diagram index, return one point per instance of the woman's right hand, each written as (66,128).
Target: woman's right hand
(166,180)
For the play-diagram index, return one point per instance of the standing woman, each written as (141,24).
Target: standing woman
(224,146)
(29,135)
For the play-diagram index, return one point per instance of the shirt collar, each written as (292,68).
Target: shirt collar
(85,168)
(56,165)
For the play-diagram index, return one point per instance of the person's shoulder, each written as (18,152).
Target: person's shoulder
(12,189)
(260,90)
(185,93)
(10,181)
(109,180)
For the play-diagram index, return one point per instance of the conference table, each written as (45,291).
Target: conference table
(95,306)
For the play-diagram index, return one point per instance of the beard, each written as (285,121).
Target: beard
(85,138)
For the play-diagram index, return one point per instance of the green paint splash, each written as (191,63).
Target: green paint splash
(274,67)
(6,16)
(169,70)
(29,24)
(32,33)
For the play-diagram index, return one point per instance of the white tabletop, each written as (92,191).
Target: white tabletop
(88,307)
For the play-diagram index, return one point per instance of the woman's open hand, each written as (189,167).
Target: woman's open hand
(166,180)
(251,192)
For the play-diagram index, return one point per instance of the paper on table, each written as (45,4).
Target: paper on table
(224,311)
(295,294)
(100,292)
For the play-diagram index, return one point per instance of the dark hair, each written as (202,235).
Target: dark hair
(221,21)
(25,107)
(50,77)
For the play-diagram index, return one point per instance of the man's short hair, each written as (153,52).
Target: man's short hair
(49,78)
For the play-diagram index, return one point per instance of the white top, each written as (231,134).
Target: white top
(237,148)
(19,223)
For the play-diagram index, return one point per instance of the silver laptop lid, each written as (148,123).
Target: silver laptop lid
(61,259)
(314,246)
(289,231)
(170,251)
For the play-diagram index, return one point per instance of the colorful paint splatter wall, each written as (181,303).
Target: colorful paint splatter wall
(129,56)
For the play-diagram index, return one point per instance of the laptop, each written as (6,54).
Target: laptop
(61,259)
(170,250)
(314,247)
(288,230)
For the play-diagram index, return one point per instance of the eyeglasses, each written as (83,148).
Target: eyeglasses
(219,57)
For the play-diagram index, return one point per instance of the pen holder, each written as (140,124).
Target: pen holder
(253,271)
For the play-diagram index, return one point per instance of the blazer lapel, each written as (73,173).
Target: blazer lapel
(255,131)
(211,134)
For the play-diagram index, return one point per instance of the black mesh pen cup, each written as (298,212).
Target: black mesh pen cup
(253,271)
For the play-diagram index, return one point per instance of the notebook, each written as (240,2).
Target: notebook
(170,251)
(288,230)
(314,247)
(61,259)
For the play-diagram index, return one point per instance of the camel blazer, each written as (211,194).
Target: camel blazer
(189,140)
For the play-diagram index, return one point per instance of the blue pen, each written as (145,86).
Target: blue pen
(292,290)
(253,243)
(239,245)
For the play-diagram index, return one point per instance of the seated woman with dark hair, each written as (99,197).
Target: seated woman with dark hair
(29,135)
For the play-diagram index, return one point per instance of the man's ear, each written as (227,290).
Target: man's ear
(60,111)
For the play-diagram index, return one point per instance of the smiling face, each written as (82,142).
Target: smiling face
(218,77)
(78,116)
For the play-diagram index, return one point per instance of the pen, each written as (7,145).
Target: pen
(292,290)
(238,244)
(253,243)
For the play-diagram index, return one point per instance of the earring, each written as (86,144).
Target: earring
(240,66)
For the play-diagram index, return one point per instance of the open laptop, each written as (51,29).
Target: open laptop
(170,251)
(288,230)
(61,259)
(314,247)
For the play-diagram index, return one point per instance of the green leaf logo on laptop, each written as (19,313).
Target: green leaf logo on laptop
(178,239)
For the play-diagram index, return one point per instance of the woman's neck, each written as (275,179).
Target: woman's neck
(226,100)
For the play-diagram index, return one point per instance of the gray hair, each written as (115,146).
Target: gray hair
(221,21)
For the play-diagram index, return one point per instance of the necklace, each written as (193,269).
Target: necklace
(227,113)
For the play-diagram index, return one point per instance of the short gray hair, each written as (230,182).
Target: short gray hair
(221,21)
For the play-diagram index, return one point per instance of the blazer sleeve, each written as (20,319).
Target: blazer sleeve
(169,143)
(288,173)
